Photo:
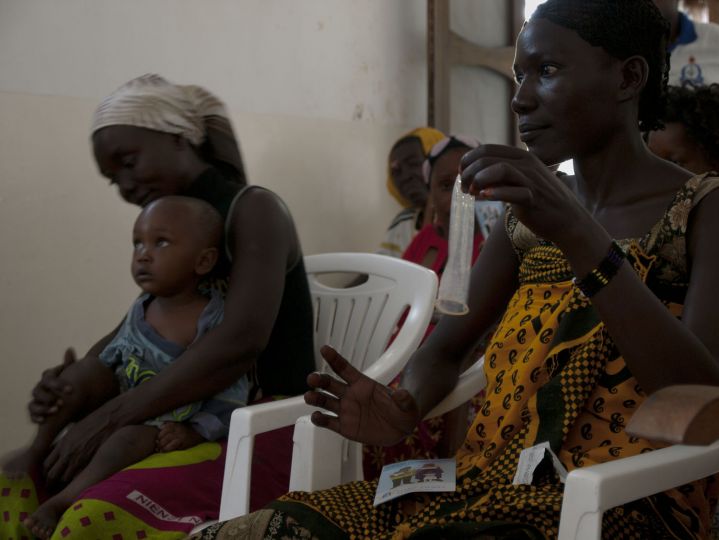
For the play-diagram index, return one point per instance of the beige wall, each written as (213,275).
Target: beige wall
(317,90)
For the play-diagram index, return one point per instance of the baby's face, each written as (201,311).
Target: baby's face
(166,251)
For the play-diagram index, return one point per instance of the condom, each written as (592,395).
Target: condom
(454,286)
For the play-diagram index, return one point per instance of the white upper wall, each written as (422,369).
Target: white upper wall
(341,60)
(479,102)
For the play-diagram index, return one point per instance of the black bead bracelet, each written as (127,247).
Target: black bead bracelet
(598,278)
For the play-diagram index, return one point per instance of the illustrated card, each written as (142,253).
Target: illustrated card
(415,475)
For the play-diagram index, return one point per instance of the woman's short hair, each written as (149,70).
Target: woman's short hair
(623,28)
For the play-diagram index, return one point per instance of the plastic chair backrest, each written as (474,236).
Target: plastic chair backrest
(359,321)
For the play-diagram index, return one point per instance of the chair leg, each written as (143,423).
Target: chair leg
(235,500)
(581,517)
(587,526)
(307,473)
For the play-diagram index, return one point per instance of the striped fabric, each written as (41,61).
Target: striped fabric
(151,102)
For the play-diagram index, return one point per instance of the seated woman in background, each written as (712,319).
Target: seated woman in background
(152,138)
(690,137)
(604,287)
(434,437)
(406,184)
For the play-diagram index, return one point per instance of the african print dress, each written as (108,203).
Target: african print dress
(555,375)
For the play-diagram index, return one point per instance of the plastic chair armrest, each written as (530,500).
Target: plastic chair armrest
(316,457)
(469,383)
(592,490)
(246,423)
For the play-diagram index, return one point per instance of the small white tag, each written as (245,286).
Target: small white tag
(530,458)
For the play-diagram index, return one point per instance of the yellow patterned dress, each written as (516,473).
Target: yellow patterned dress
(555,375)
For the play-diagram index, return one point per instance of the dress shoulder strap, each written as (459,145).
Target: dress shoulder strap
(520,236)
(674,222)
(708,184)
(230,212)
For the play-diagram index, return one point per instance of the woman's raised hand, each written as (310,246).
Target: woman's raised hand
(366,411)
(47,396)
(539,199)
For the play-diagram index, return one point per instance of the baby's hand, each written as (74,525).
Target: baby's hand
(176,436)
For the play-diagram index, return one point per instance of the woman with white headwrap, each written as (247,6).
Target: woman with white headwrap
(152,138)
(152,102)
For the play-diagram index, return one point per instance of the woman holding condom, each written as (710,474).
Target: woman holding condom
(604,287)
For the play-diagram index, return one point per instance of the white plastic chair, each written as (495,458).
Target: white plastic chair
(358,322)
(590,491)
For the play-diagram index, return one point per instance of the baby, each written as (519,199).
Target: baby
(175,245)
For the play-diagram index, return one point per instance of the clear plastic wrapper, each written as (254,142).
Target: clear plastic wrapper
(454,286)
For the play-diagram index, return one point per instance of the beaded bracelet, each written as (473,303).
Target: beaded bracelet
(598,278)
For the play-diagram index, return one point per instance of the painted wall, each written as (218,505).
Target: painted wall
(317,90)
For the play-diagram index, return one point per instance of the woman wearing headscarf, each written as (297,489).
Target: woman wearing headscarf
(407,185)
(152,138)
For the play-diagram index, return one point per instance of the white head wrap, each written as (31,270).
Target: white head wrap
(152,102)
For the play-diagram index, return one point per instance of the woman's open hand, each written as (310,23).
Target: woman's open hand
(48,394)
(539,199)
(366,411)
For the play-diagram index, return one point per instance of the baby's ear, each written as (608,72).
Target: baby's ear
(206,261)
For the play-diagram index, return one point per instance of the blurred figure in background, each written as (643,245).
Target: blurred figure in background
(691,134)
(693,45)
(407,185)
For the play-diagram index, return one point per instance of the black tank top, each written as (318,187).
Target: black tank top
(283,366)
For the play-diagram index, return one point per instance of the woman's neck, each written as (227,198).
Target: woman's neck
(193,169)
(613,175)
(628,189)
